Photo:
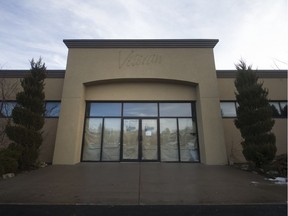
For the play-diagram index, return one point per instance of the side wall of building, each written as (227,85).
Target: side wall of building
(53,92)
(161,87)
(277,87)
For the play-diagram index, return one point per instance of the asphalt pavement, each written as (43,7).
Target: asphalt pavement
(141,189)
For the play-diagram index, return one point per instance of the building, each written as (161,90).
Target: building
(146,100)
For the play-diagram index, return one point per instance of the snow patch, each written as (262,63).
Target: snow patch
(278,180)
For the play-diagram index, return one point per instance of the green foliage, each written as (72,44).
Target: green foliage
(9,158)
(254,117)
(28,115)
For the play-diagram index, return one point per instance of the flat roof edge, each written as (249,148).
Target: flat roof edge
(23,73)
(260,73)
(220,73)
(140,43)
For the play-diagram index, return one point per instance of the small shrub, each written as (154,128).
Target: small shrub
(9,159)
(280,165)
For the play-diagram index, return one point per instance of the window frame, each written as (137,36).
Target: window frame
(235,106)
(280,116)
(158,117)
(52,101)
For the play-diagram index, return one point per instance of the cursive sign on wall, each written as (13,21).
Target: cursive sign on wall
(136,59)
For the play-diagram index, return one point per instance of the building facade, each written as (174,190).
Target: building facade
(146,100)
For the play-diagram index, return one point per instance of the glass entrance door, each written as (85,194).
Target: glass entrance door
(140,140)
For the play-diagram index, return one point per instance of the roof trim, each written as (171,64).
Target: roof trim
(260,73)
(23,73)
(140,43)
(220,73)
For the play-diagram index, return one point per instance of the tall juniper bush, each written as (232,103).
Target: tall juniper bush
(254,117)
(28,116)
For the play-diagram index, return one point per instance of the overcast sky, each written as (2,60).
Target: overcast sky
(254,30)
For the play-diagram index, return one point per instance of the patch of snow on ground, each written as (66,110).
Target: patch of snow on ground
(278,180)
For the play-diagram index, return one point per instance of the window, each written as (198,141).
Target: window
(283,106)
(111,139)
(228,109)
(175,109)
(276,111)
(188,140)
(6,108)
(52,109)
(140,131)
(140,109)
(168,139)
(103,109)
(92,139)
(279,109)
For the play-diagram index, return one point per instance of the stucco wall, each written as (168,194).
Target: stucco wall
(140,91)
(53,91)
(49,136)
(93,66)
(277,88)
(277,91)
(233,139)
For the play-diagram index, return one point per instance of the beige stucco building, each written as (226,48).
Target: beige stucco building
(146,100)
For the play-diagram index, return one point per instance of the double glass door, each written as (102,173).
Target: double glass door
(140,139)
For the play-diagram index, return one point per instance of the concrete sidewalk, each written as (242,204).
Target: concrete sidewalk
(140,184)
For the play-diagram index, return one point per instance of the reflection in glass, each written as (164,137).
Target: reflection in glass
(130,139)
(103,109)
(175,109)
(6,108)
(228,109)
(52,109)
(111,139)
(276,112)
(283,106)
(140,109)
(92,139)
(149,139)
(188,140)
(168,139)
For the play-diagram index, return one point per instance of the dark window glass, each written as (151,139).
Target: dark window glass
(175,109)
(140,109)
(6,108)
(228,109)
(283,106)
(103,109)
(276,112)
(52,109)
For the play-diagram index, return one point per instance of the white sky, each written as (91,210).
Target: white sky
(254,30)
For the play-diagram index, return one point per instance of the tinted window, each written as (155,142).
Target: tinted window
(140,109)
(283,106)
(6,108)
(228,109)
(103,109)
(276,112)
(52,109)
(175,109)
